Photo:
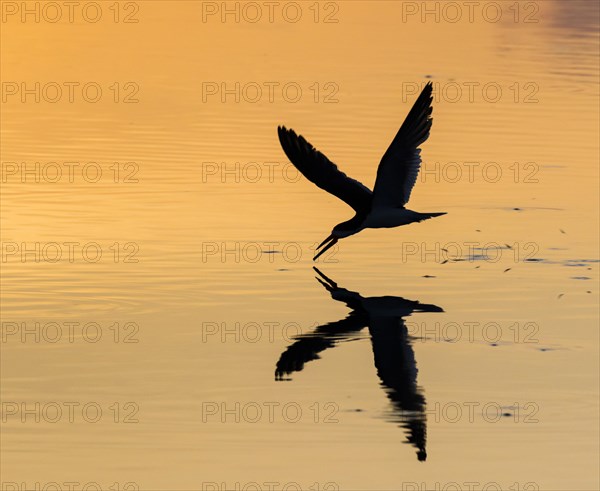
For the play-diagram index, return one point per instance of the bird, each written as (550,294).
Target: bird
(393,354)
(384,207)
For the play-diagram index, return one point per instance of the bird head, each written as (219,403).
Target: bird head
(339,232)
(346,229)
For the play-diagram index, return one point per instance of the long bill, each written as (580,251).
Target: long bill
(323,243)
(328,243)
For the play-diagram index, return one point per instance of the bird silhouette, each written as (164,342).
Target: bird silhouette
(392,351)
(384,207)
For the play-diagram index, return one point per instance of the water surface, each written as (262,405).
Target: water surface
(463,349)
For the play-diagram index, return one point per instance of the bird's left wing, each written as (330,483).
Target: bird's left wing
(318,169)
(308,346)
(399,166)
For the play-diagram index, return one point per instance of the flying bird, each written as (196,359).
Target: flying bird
(384,207)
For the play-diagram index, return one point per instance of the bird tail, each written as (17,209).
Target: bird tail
(427,216)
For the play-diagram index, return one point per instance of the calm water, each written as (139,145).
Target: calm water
(163,327)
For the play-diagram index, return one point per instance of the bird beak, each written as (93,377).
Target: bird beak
(323,243)
(325,281)
(332,241)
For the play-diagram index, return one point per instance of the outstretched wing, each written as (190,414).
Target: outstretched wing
(399,166)
(321,171)
(308,346)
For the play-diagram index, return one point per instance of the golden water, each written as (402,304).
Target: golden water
(206,239)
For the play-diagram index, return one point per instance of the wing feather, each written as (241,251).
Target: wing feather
(318,169)
(399,167)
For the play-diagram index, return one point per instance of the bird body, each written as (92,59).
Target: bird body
(384,207)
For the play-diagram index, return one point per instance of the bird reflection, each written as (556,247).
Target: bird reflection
(392,350)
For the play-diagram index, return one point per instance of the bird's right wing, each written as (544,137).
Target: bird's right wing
(321,171)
